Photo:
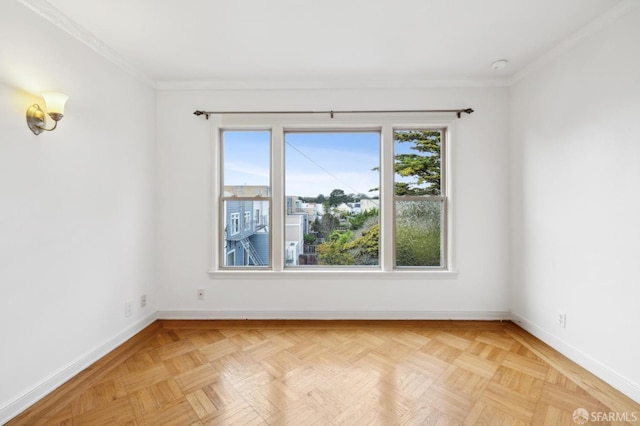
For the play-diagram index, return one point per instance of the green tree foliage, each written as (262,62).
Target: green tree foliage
(333,251)
(337,197)
(364,248)
(424,164)
(418,233)
(309,239)
(328,224)
(357,220)
(315,226)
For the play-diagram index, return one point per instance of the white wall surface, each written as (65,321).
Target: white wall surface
(76,208)
(575,133)
(184,213)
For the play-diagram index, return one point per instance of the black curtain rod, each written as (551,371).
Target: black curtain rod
(458,112)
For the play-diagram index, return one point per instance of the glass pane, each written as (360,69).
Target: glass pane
(417,162)
(332,201)
(246,233)
(419,233)
(246,162)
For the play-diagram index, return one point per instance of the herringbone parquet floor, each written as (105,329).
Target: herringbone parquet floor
(329,373)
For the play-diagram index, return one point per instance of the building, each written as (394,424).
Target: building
(246,231)
(246,227)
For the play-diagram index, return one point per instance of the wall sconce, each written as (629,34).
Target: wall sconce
(55,108)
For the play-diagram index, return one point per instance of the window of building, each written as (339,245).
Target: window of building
(371,196)
(234,222)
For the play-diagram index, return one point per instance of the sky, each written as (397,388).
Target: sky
(318,163)
(315,162)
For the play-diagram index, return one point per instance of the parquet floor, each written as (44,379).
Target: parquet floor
(329,373)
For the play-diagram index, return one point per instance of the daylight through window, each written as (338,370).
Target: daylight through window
(328,188)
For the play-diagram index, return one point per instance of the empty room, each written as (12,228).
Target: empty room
(329,213)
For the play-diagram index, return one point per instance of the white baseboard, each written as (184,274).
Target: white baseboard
(612,377)
(56,379)
(336,315)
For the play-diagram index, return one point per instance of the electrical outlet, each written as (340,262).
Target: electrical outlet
(143,300)
(200,294)
(562,319)
(128,308)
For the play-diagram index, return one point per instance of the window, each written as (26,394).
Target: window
(245,188)
(247,221)
(235,223)
(419,204)
(328,177)
(329,195)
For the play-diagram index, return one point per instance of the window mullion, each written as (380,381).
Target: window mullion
(387,203)
(277,192)
(216,204)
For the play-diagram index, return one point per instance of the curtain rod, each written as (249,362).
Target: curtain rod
(458,112)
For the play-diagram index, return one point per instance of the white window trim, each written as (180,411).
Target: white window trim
(385,123)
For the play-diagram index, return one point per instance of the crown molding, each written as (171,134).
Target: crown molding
(565,45)
(342,84)
(62,21)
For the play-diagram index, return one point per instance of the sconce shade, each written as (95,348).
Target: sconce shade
(55,104)
(55,108)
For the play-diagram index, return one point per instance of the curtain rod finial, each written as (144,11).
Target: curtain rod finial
(199,113)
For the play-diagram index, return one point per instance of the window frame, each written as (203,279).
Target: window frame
(386,124)
(443,197)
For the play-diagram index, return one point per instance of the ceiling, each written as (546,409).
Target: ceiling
(329,40)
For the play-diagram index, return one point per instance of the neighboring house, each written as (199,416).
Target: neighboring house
(367,204)
(246,227)
(344,208)
(355,207)
(247,191)
(313,210)
(294,237)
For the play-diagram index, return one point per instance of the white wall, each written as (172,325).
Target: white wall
(76,208)
(575,133)
(184,212)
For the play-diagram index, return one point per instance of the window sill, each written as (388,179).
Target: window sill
(351,274)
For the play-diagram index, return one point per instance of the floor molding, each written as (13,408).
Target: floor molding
(600,370)
(336,315)
(75,368)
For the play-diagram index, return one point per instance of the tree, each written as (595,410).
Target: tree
(424,165)
(334,250)
(337,197)
(328,224)
(356,221)
(316,226)
(418,233)
(364,248)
